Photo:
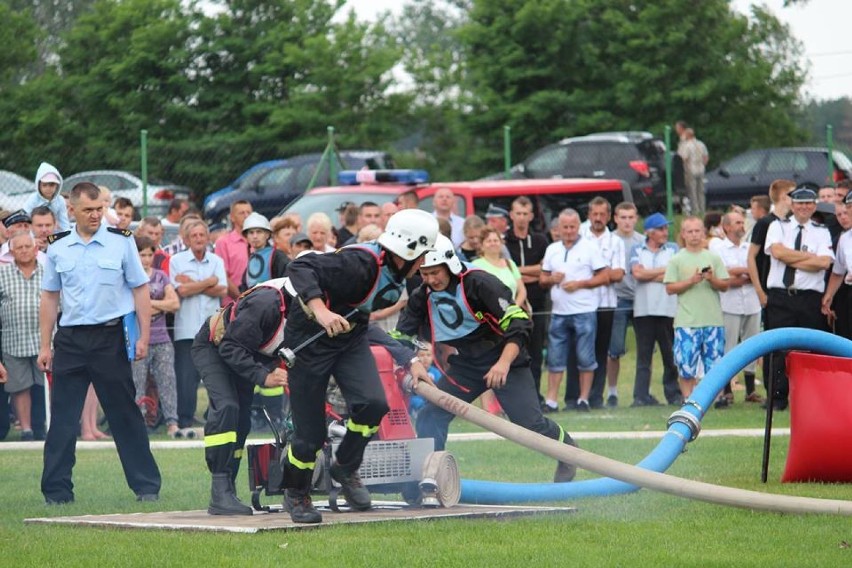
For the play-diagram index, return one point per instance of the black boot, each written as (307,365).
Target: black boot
(352,488)
(223,497)
(301,508)
(565,471)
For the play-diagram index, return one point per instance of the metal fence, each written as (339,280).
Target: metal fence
(648,162)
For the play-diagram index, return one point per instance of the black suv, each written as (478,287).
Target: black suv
(289,179)
(635,157)
(752,172)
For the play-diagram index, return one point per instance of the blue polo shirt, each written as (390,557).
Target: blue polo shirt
(651,298)
(96,278)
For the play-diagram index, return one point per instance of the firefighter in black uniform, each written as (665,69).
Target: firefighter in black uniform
(369,277)
(234,352)
(473,313)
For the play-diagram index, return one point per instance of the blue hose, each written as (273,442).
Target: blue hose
(679,432)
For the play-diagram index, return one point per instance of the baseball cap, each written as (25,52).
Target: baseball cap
(656,221)
(803,195)
(19,216)
(496,211)
(343,206)
(299,238)
(49,177)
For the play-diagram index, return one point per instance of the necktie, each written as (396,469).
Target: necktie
(789,271)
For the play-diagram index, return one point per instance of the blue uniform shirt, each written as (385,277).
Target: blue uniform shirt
(96,278)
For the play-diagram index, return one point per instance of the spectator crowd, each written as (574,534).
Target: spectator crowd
(691,296)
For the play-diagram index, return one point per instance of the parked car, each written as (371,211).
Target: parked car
(635,157)
(125,184)
(245,179)
(14,190)
(549,196)
(752,172)
(281,184)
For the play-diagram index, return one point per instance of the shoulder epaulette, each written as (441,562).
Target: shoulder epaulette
(117,231)
(785,220)
(56,236)
(815,224)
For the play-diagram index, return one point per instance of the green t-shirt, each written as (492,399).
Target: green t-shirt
(700,305)
(508,275)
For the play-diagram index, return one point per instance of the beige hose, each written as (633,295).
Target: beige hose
(631,474)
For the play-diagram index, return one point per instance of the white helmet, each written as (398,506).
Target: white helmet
(444,253)
(256,221)
(410,233)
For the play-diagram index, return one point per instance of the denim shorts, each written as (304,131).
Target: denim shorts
(576,329)
(692,344)
(618,339)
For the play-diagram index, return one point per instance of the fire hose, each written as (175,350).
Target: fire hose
(683,427)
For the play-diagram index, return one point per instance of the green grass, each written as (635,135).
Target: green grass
(640,529)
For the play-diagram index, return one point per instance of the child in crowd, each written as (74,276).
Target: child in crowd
(426,357)
(48,185)
(161,354)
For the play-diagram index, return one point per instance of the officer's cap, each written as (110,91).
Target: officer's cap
(496,211)
(803,195)
(19,216)
(848,199)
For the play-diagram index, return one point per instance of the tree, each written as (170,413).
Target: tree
(552,68)
(17,36)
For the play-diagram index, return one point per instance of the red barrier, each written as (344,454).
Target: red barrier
(820,418)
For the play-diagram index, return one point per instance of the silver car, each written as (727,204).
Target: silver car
(125,184)
(14,190)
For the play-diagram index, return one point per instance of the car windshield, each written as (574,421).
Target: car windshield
(328,203)
(599,156)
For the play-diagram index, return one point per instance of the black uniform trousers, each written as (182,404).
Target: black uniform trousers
(96,355)
(351,362)
(783,309)
(842,307)
(650,330)
(517,397)
(229,407)
(536,346)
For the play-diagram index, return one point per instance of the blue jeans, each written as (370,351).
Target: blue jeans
(578,330)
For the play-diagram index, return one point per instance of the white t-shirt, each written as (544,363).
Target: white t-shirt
(843,262)
(815,239)
(580,262)
(612,250)
(738,300)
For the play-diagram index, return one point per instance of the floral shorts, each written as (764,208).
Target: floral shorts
(694,344)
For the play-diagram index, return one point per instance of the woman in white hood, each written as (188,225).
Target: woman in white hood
(48,182)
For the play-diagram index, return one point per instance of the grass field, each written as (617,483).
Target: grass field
(640,529)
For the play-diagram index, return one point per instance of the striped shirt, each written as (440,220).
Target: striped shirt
(19,302)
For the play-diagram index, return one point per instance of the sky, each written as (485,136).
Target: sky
(819,25)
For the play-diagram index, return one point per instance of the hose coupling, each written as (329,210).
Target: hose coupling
(695,405)
(688,420)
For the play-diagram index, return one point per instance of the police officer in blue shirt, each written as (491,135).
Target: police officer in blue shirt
(101,280)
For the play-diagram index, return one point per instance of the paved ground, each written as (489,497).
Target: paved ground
(382,512)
